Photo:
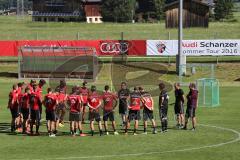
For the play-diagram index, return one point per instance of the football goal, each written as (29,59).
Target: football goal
(57,62)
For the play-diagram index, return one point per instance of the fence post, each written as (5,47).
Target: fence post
(215,37)
(169,61)
(37,36)
(121,44)
(78,35)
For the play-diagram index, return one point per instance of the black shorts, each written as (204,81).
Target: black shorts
(60,112)
(134,115)
(35,115)
(94,115)
(147,114)
(75,116)
(85,104)
(123,109)
(163,111)
(14,113)
(179,108)
(50,116)
(108,115)
(190,112)
(61,106)
(25,113)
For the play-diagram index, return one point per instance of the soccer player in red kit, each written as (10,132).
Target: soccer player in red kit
(20,117)
(39,88)
(30,85)
(35,100)
(61,108)
(75,103)
(50,102)
(148,106)
(134,110)
(84,91)
(13,106)
(25,108)
(109,104)
(61,90)
(62,87)
(94,102)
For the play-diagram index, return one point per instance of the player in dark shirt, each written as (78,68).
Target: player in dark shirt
(179,105)
(123,95)
(192,102)
(134,110)
(163,106)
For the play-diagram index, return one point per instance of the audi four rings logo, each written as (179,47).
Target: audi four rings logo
(114,47)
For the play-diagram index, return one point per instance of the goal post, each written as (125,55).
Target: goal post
(208,92)
(57,62)
(204,76)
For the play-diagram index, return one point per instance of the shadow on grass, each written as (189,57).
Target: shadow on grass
(238,80)
(8,74)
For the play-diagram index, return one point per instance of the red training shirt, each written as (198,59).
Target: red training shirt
(75,103)
(84,92)
(94,101)
(108,99)
(50,102)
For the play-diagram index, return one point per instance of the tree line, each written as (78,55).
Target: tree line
(139,10)
(153,10)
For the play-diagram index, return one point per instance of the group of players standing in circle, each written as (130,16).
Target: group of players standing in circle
(26,101)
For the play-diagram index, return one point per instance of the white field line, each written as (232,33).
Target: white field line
(151,153)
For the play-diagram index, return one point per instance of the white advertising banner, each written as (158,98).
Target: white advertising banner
(193,47)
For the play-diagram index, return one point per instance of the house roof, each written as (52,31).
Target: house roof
(92,0)
(92,10)
(202,2)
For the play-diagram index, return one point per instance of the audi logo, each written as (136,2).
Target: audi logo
(114,47)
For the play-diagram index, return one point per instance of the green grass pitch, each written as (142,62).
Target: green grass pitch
(216,137)
(11,29)
(218,132)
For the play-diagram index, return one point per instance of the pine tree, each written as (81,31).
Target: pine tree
(118,11)
(153,9)
(159,6)
(223,9)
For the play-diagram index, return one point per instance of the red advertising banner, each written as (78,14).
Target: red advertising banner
(8,48)
(103,47)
